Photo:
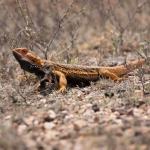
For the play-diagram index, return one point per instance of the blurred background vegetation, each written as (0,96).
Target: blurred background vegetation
(85,32)
(59,25)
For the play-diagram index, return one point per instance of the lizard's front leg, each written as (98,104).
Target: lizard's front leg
(62,80)
(48,82)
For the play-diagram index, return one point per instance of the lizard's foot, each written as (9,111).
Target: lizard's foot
(118,80)
(62,90)
(47,83)
(46,87)
(62,81)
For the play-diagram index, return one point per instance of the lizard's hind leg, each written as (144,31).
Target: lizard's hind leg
(108,74)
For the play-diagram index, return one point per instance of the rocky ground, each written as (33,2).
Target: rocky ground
(103,116)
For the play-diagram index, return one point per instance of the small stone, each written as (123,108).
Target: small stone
(49,125)
(118,113)
(139,93)
(35,122)
(50,116)
(95,107)
(113,116)
(46,105)
(137,112)
(8,117)
(29,120)
(130,112)
(147,87)
(68,117)
(43,100)
(109,94)
(30,103)
(21,128)
(78,124)
(50,135)
(88,114)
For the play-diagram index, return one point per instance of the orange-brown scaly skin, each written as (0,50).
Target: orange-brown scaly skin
(73,73)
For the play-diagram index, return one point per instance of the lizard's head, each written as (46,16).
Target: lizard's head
(28,60)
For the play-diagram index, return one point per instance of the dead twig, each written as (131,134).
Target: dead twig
(57,30)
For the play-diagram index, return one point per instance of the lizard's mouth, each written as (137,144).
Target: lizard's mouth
(27,65)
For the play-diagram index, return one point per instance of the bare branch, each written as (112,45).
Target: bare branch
(58,28)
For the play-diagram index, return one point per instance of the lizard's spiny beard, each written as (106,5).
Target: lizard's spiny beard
(32,68)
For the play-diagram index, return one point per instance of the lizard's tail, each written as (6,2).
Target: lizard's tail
(124,69)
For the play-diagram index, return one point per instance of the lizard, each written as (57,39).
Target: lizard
(67,73)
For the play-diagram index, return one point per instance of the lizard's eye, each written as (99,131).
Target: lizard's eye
(24,51)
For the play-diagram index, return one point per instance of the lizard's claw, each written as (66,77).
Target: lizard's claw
(62,90)
(119,80)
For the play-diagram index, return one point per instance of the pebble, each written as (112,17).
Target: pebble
(139,93)
(80,123)
(137,112)
(21,128)
(52,114)
(147,87)
(51,135)
(95,107)
(43,100)
(49,125)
